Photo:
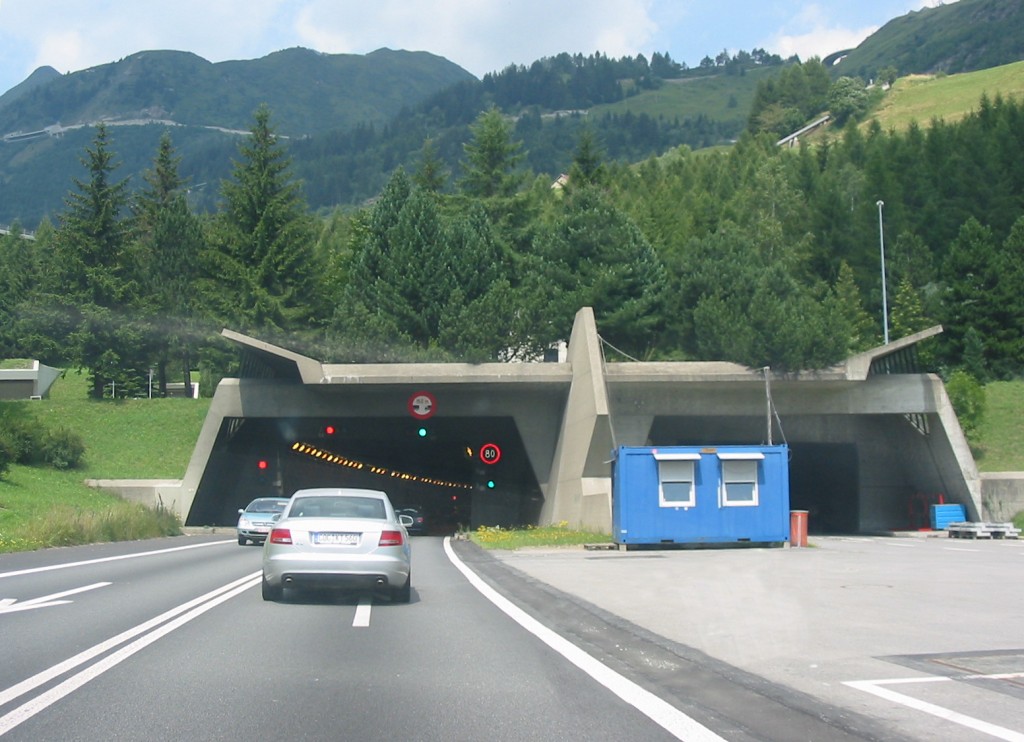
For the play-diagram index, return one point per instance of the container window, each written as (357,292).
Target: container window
(676,484)
(739,483)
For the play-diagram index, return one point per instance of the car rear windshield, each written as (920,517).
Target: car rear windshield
(338,507)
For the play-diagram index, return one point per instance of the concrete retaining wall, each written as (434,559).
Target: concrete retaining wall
(1002,495)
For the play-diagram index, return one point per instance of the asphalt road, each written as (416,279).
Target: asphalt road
(178,644)
(169,639)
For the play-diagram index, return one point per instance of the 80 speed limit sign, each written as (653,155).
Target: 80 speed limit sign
(490,453)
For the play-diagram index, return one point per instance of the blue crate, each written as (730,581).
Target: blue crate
(943,515)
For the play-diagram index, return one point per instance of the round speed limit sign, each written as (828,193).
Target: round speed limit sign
(490,453)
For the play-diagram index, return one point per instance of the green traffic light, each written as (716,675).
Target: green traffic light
(490,484)
(422,432)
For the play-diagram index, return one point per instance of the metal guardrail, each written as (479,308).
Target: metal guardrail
(6,230)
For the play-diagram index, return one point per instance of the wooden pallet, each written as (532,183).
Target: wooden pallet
(982,530)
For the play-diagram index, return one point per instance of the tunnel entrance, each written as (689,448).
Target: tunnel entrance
(461,472)
(823,480)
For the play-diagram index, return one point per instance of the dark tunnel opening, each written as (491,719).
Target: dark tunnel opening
(460,472)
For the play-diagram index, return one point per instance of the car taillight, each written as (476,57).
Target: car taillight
(280,536)
(390,538)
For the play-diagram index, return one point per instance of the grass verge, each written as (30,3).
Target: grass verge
(997,442)
(42,507)
(493,537)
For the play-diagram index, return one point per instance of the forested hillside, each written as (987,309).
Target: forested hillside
(762,255)
(443,233)
(348,132)
(953,37)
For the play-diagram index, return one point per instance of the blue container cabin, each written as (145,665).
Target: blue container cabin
(700,495)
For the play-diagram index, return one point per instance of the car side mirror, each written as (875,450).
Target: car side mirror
(405,520)
(275,517)
(241,510)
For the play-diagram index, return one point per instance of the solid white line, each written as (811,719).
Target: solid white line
(8,695)
(873,687)
(362,618)
(65,565)
(39,703)
(671,719)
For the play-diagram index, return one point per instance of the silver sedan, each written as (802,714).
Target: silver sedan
(255,522)
(338,538)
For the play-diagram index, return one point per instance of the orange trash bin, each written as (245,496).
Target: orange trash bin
(798,527)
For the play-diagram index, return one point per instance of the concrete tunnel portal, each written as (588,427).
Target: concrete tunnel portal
(866,437)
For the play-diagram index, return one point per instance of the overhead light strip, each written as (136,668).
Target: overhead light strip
(329,457)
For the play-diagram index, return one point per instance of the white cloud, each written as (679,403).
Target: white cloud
(481,36)
(813,33)
(818,43)
(61,50)
(70,36)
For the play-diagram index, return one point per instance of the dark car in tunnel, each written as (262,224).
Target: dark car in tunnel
(419,520)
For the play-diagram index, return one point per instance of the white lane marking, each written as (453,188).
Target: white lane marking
(65,565)
(875,688)
(29,684)
(42,701)
(11,605)
(954,548)
(362,618)
(671,719)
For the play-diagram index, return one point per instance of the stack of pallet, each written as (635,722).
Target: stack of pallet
(982,530)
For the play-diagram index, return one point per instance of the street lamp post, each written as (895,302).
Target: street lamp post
(885,301)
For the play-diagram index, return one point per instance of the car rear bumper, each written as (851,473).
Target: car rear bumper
(362,573)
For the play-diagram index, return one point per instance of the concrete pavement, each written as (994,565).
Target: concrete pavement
(923,635)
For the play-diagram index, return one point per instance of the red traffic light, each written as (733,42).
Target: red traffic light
(330,430)
(262,464)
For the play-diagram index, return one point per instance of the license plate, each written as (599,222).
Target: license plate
(336,539)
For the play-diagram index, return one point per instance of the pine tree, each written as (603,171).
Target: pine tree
(594,255)
(588,166)
(91,275)
(264,260)
(863,333)
(971,277)
(163,184)
(1007,304)
(93,237)
(431,175)
(170,242)
(489,168)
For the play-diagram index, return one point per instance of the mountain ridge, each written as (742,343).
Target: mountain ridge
(184,87)
(353,119)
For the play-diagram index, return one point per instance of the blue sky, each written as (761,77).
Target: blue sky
(480,35)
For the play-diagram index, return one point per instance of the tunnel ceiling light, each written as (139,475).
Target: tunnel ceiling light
(333,458)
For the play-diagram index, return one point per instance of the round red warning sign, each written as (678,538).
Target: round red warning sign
(490,453)
(422,405)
